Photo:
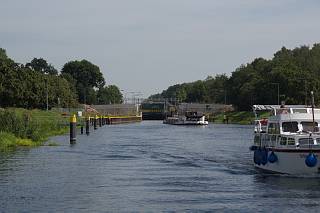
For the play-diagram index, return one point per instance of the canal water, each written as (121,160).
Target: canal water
(150,167)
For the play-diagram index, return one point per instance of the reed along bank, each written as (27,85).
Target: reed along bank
(21,127)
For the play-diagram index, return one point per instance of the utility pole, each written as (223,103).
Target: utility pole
(312,105)
(47,95)
(305,92)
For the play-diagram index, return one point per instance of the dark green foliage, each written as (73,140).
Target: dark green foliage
(197,92)
(27,86)
(109,95)
(210,90)
(296,71)
(85,76)
(41,65)
(23,87)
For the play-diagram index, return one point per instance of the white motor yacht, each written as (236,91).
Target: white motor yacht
(288,141)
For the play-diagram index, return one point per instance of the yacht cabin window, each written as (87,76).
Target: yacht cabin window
(290,126)
(299,111)
(291,141)
(305,141)
(283,141)
(257,139)
(308,126)
(273,128)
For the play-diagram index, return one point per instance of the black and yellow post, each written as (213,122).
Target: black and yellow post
(100,121)
(95,122)
(73,126)
(81,128)
(92,121)
(87,125)
(104,120)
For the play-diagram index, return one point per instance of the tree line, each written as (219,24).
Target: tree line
(289,76)
(28,85)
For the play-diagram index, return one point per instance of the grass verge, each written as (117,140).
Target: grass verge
(21,127)
(242,117)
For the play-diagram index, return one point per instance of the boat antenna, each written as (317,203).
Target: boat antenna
(312,107)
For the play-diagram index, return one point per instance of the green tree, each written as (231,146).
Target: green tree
(109,95)
(216,88)
(41,65)
(87,76)
(198,93)
(22,86)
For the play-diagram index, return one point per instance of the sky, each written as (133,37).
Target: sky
(144,46)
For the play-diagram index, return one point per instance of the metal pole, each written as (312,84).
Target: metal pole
(305,92)
(312,105)
(47,98)
(278,95)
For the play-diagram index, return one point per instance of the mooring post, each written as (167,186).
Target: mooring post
(100,121)
(73,125)
(95,122)
(81,128)
(88,125)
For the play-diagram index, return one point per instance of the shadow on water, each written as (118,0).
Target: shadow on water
(288,182)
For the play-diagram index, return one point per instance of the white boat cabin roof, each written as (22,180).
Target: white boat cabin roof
(295,114)
(289,113)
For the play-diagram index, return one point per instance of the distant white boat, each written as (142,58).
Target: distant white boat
(190,118)
(288,141)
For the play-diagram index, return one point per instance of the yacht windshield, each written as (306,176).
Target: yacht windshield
(290,126)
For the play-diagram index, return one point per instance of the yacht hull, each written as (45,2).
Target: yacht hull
(291,162)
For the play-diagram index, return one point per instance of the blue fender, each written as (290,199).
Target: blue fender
(257,156)
(311,160)
(264,156)
(272,157)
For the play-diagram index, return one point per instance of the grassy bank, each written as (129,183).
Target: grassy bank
(243,117)
(9,141)
(20,127)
